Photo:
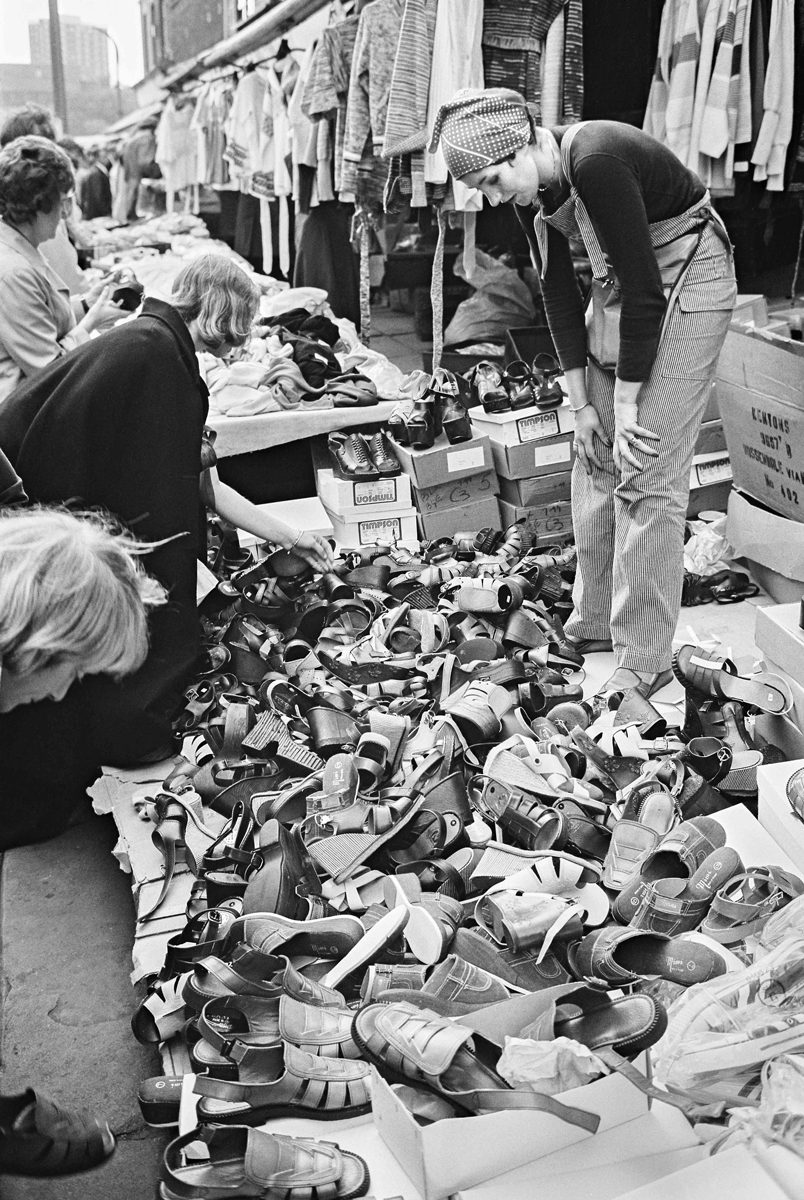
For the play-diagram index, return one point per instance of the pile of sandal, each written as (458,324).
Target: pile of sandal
(424,815)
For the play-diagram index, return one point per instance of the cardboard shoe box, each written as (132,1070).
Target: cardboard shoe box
(476,514)
(543,524)
(343,495)
(525,425)
(443,462)
(534,458)
(781,639)
(456,1153)
(773,545)
(774,811)
(453,492)
(761,393)
(388,528)
(711,438)
(537,489)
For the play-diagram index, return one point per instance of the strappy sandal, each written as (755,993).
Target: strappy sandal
(39,1138)
(522,387)
(743,905)
(239,1029)
(201,1165)
(710,674)
(247,972)
(444,1057)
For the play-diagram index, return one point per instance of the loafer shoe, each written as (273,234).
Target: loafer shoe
(617,957)
(451,988)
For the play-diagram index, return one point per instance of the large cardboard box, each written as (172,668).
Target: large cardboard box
(474,515)
(456,491)
(534,458)
(443,462)
(342,495)
(525,425)
(781,639)
(543,524)
(455,1153)
(774,811)
(537,489)
(761,395)
(773,545)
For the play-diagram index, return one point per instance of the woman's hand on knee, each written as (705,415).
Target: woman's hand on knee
(630,436)
(587,429)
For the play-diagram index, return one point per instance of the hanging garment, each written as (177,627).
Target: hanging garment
(676,68)
(243,126)
(552,73)
(513,37)
(774,134)
(757,47)
(326,259)
(271,179)
(573,85)
(406,119)
(176,147)
(377,38)
(326,94)
(302,136)
(457,64)
(725,120)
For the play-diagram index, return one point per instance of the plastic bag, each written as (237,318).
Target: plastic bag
(707,551)
(501,301)
(779,1117)
(720,1033)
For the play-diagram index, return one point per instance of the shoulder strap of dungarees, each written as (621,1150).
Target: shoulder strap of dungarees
(597,259)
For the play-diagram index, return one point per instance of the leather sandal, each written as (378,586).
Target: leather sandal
(522,387)
(265,1164)
(743,905)
(282,875)
(39,1138)
(409,1046)
(247,972)
(293,1083)
(489,388)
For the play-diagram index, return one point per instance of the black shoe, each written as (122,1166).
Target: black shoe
(590,645)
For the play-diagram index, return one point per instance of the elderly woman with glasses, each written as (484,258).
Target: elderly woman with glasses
(39,320)
(119,423)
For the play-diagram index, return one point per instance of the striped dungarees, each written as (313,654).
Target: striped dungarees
(629,526)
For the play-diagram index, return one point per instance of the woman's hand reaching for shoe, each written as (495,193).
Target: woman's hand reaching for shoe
(314,549)
(102,311)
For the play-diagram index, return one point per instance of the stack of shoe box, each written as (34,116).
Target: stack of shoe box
(365,511)
(454,486)
(533,455)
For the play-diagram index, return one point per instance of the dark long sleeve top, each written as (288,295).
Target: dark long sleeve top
(627,180)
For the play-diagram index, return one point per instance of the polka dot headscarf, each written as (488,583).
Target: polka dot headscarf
(478,127)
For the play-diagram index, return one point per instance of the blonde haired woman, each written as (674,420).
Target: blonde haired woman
(119,423)
(74,600)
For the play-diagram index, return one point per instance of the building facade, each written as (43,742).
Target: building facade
(84,50)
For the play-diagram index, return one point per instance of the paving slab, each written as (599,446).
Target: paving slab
(66,930)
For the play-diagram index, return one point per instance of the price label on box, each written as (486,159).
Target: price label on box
(464,460)
(375,491)
(540,425)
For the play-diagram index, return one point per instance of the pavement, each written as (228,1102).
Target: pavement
(66,933)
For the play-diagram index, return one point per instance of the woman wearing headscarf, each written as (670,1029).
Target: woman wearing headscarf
(638,372)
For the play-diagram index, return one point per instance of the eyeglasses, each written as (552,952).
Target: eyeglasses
(795,793)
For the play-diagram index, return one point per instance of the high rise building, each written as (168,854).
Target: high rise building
(85,50)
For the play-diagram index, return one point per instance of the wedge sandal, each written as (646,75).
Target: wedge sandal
(710,674)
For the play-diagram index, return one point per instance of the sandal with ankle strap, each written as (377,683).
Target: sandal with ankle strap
(39,1138)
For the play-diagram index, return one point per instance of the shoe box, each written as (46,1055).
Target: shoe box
(772,544)
(711,438)
(555,488)
(456,1153)
(525,425)
(472,515)
(445,462)
(775,813)
(387,528)
(307,513)
(546,457)
(542,524)
(350,497)
(781,639)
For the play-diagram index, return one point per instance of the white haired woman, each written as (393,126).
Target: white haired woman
(653,237)
(119,423)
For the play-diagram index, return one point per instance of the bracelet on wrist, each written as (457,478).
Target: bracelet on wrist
(580,406)
(296,540)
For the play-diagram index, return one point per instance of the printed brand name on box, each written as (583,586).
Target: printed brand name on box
(541,425)
(380,531)
(377,491)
